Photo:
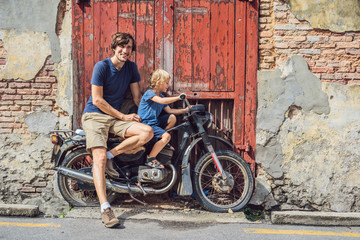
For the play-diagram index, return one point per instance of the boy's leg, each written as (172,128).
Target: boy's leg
(171,121)
(163,139)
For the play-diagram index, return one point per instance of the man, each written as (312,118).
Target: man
(110,80)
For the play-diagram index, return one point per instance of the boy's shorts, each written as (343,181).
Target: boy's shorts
(97,127)
(159,128)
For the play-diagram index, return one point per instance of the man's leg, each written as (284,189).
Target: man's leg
(99,161)
(136,136)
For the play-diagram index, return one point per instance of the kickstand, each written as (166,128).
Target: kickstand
(132,196)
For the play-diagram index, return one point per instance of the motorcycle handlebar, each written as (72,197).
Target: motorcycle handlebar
(182,96)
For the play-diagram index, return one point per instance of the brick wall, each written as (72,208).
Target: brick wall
(332,57)
(19,97)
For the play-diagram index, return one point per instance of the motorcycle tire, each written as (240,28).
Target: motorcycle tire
(209,189)
(73,191)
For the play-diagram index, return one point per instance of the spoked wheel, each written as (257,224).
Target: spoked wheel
(77,193)
(213,192)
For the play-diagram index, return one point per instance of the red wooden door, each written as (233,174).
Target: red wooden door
(203,44)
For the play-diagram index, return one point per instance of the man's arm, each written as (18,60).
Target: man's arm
(99,101)
(135,91)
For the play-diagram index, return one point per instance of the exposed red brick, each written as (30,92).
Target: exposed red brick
(27,91)
(266,34)
(32,97)
(5,130)
(42,103)
(10,97)
(295,38)
(51,73)
(9,91)
(45,91)
(3,61)
(341,38)
(19,85)
(41,85)
(23,102)
(6,119)
(45,79)
(353,51)
(351,76)
(27,190)
(348,45)
(6,102)
(322,70)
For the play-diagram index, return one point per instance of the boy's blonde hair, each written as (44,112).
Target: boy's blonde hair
(156,76)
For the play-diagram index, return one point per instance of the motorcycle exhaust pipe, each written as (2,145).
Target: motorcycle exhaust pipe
(116,187)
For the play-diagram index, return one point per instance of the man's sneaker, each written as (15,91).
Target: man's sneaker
(109,219)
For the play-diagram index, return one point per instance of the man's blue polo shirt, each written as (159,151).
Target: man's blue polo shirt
(114,82)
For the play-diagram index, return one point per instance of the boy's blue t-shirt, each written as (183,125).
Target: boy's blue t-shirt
(114,82)
(149,110)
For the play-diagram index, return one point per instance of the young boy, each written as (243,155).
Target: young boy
(150,107)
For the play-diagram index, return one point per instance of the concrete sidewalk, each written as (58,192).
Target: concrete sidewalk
(316,218)
(170,213)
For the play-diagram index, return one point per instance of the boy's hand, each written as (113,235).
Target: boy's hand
(132,117)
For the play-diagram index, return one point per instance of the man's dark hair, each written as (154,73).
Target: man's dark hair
(121,39)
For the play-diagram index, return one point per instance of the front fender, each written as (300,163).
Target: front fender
(185,185)
(65,148)
(195,141)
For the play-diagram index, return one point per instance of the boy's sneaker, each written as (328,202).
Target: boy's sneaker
(109,169)
(109,219)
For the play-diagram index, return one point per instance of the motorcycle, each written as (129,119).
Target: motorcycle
(220,179)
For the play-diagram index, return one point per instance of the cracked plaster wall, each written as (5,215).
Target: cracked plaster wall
(28,31)
(307,140)
(29,38)
(335,15)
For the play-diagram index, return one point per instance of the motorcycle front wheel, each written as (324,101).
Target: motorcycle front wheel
(77,193)
(217,195)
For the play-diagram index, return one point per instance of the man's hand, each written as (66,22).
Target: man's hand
(132,117)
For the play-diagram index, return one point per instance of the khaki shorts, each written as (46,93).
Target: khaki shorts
(97,127)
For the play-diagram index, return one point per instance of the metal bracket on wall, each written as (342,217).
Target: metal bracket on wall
(241,147)
(80,1)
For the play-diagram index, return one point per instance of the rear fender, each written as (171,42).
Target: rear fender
(65,149)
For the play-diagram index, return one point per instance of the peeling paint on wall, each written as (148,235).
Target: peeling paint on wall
(63,69)
(25,58)
(41,122)
(307,139)
(335,15)
(34,16)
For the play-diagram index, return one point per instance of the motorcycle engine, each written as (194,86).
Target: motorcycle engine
(147,174)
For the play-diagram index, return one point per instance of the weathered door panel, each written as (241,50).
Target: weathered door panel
(203,44)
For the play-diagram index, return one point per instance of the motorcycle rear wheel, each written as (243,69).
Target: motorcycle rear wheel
(216,197)
(71,190)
